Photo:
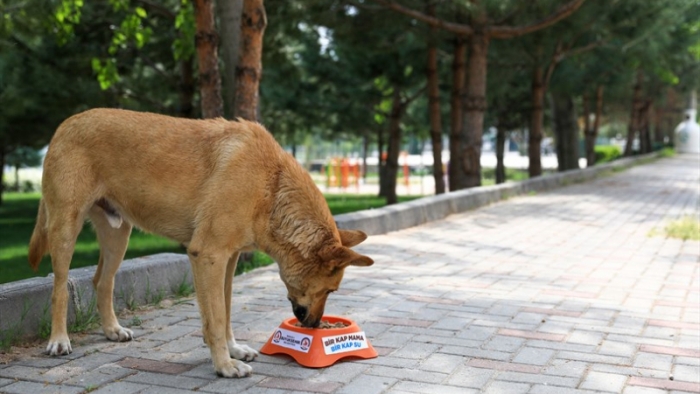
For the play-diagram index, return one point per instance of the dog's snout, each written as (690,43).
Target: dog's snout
(300,312)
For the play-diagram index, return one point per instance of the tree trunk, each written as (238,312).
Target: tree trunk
(645,127)
(230,28)
(637,103)
(249,68)
(392,160)
(458,74)
(365,150)
(187,87)
(536,118)
(659,114)
(381,167)
(474,105)
(17,177)
(2,172)
(500,150)
(206,41)
(593,134)
(434,108)
(565,131)
(587,129)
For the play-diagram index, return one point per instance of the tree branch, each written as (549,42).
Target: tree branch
(585,48)
(456,28)
(408,100)
(158,9)
(501,32)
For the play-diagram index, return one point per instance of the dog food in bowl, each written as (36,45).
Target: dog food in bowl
(327,325)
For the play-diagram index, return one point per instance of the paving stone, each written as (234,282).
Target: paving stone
(147,365)
(470,377)
(535,378)
(157,379)
(546,389)
(499,387)
(504,343)
(426,388)
(368,384)
(231,385)
(686,373)
(407,374)
(341,372)
(418,351)
(120,388)
(439,362)
(604,382)
(40,388)
(661,362)
(642,390)
(100,375)
(535,356)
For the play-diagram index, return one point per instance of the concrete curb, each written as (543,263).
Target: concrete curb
(25,304)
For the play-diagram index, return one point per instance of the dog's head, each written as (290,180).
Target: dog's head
(308,289)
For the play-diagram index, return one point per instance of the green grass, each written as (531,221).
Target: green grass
(17,217)
(684,228)
(18,214)
(488,175)
(344,203)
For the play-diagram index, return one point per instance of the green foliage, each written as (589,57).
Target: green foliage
(67,15)
(667,152)
(685,228)
(183,45)
(606,153)
(23,156)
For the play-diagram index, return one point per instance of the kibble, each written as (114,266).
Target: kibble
(327,325)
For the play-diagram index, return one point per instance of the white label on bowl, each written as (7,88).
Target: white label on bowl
(344,343)
(292,340)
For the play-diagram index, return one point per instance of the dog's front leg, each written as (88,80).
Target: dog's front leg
(241,352)
(209,271)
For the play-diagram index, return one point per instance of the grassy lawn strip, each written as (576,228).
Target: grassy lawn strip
(18,213)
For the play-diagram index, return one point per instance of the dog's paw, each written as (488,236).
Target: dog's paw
(119,334)
(234,369)
(59,347)
(242,352)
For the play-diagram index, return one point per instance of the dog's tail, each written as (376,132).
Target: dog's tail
(39,243)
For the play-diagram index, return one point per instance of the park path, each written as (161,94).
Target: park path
(567,291)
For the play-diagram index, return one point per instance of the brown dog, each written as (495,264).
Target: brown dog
(218,187)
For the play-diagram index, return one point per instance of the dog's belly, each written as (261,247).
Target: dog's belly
(169,221)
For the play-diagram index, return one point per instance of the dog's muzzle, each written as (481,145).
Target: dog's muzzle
(302,315)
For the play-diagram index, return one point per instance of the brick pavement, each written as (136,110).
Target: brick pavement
(558,292)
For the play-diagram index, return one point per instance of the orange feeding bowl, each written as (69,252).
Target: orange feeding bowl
(319,347)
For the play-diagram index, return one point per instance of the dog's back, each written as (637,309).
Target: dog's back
(155,171)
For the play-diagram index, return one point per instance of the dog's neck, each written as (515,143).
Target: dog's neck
(300,221)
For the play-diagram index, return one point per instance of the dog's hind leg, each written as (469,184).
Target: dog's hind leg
(65,223)
(113,242)
(241,352)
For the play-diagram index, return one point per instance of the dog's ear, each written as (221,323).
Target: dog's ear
(350,238)
(337,256)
